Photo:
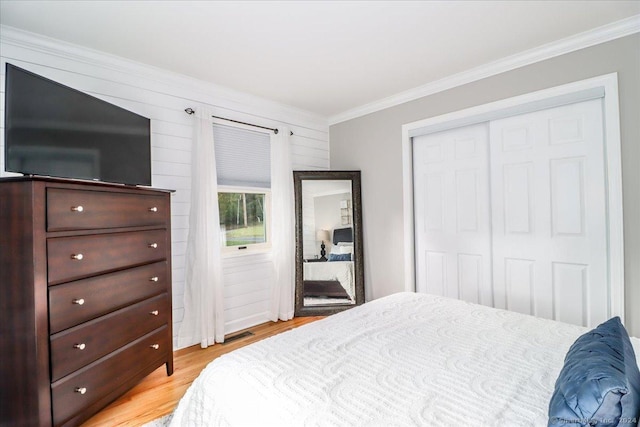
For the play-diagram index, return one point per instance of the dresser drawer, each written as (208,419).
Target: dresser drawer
(79,346)
(84,387)
(104,294)
(70,258)
(87,210)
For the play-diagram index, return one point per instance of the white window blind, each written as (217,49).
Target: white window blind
(243,157)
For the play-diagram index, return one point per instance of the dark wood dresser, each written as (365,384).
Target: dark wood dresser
(85,296)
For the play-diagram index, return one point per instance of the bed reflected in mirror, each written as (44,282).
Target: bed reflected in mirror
(329,275)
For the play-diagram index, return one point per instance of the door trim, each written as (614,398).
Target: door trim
(605,86)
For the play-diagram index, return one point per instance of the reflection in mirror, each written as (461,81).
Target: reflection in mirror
(329,245)
(327,278)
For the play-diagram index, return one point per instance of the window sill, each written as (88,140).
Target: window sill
(245,252)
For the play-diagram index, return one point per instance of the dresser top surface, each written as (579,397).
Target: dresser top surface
(70,181)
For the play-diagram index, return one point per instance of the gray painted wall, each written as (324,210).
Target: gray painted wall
(373,144)
(327,209)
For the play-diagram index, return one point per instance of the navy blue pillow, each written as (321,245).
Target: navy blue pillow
(599,383)
(339,257)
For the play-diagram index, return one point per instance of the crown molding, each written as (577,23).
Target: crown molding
(207,92)
(285,113)
(579,41)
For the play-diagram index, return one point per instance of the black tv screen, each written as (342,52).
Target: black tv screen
(54,130)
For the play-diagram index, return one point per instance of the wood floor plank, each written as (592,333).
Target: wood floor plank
(157,394)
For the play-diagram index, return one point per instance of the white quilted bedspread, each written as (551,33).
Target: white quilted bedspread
(403,360)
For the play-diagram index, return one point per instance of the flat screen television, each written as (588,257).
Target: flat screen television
(54,130)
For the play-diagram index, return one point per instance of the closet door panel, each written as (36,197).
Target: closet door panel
(452,223)
(549,213)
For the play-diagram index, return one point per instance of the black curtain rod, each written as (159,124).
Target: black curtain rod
(274,130)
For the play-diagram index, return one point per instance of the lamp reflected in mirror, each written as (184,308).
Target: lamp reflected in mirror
(323,236)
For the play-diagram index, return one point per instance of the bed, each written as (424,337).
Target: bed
(402,360)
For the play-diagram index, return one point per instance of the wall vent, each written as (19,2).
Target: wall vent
(233,338)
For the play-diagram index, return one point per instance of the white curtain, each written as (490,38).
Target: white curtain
(282,227)
(203,320)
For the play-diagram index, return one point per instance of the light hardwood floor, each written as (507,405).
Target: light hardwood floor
(158,394)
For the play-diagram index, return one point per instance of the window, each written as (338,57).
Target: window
(243,164)
(243,218)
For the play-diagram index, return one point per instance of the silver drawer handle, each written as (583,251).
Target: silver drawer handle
(81,390)
(154,312)
(153,245)
(153,209)
(154,346)
(77,209)
(79,346)
(154,279)
(77,257)
(78,301)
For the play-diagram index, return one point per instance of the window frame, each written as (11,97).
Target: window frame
(250,248)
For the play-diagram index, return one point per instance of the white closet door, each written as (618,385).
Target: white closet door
(549,214)
(452,224)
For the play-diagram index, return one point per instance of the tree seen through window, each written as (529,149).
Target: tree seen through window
(242,220)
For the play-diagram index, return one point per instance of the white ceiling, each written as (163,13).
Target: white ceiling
(325,57)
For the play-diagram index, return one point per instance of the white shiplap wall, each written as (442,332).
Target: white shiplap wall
(162,96)
(310,247)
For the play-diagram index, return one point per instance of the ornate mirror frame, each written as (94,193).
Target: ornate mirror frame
(358,259)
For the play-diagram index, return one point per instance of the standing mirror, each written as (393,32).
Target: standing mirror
(329,255)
